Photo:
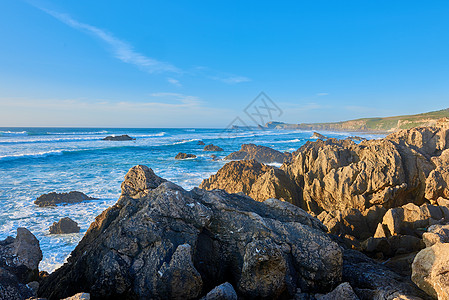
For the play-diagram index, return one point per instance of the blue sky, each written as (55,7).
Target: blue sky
(200,63)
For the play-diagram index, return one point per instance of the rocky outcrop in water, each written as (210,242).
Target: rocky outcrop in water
(261,154)
(212,147)
(160,242)
(19,261)
(64,226)
(201,143)
(123,137)
(317,135)
(182,155)
(53,199)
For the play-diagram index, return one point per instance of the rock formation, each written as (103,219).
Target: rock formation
(52,199)
(123,137)
(182,155)
(211,147)
(19,261)
(317,135)
(200,143)
(160,242)
(261,154)
(64,226)
(254,179)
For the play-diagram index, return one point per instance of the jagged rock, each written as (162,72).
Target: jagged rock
(356,138)
(123,137)
(19,261)
(224,291)
(258,181)
(317,135)
(351,221)
(436,234)
(393,245)
(158,239)
(343,291)
(372,280)
(79,296)
(181,155)
(21,255)
(63,226)
(200,143)
(430,269)
(410,219)
(437,183)
(261,154)
(401,264)
(52,199)
(214,157)
(211,147)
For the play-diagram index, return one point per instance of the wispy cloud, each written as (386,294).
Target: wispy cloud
(175,82)
(322,94)
(120,49)
(232,79)
(175,99)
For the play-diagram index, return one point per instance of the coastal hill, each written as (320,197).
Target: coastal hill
(387,124)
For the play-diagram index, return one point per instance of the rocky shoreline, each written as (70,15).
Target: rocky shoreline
(337,220)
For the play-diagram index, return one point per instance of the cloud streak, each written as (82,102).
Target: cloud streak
(120,49)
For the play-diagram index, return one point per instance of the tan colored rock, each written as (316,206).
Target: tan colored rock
(436,234)
(430,271)
(79,296)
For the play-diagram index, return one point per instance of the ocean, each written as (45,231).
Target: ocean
(35,161)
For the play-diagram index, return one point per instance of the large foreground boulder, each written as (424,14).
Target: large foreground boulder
(53,198)
(430,270)
(19,261)
(160,242)
(261,154)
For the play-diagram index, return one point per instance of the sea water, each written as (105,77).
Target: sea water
(35,161)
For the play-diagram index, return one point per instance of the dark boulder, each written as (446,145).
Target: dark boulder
(52,199)
(211,147)
(160,242)
(123,137)
(63,226)
(201,143)
(261,154)
(182,155)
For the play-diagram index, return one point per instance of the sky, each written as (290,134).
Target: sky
(191,63)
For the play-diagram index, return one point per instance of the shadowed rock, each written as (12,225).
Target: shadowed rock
(261,154)
(52,199)
(200,143)
(64,226)
(160,242)
(123,137)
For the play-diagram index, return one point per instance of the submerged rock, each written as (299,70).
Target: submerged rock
(261,154)
(201,143)
(160,241)
(182,155)
(211,147)
(63,226)
(123,137)
(52,199)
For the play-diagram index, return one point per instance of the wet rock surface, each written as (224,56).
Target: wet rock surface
(160,241)
(123,137)
(64,226)
(182,155)
(212,147)
(53,198)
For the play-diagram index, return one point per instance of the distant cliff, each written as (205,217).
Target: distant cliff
(387,124)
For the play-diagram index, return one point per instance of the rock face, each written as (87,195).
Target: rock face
(160,241)
(343,291)
(211,147)
(409,166)
(430,271)
(19,261)
(123,137)
(52,199)
(317,135)
(261,154)
(254,179)
(182,155)
(63,226)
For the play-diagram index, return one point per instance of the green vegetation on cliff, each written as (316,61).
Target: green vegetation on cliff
(371,124)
